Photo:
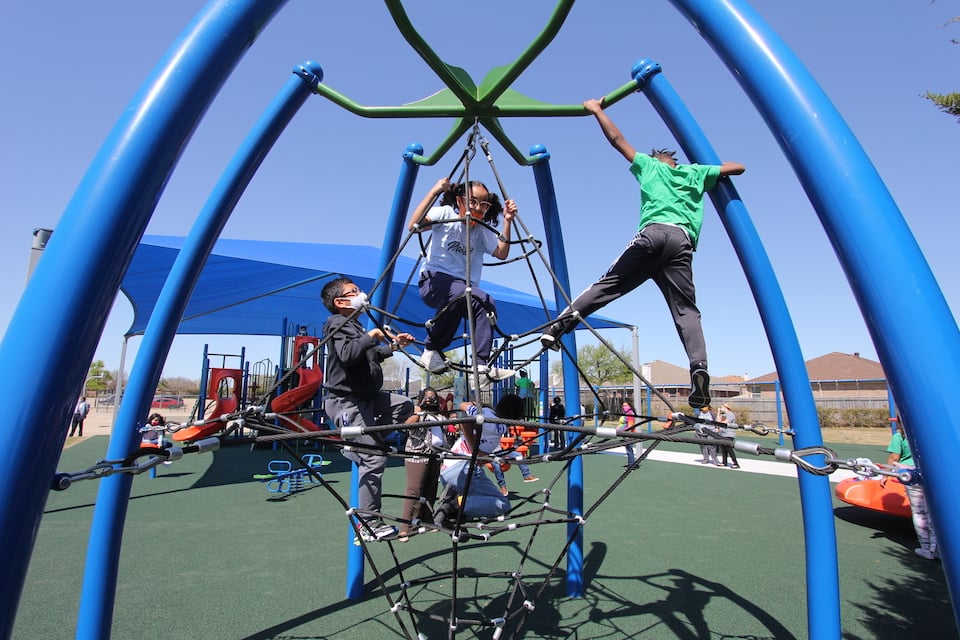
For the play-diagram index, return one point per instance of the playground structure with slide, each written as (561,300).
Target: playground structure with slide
(224,390)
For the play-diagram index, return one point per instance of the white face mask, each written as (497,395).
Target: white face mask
(358,301)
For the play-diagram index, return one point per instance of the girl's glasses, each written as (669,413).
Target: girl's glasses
(479,205)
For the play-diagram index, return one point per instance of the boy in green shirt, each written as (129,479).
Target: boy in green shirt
(671,213)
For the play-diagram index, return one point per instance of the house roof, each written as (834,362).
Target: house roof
(727,379)
(663,373)
(835,366)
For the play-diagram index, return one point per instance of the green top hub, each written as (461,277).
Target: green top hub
(465,100)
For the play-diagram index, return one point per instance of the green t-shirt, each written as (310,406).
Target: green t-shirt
(525,387)
(899,445)
(673,195)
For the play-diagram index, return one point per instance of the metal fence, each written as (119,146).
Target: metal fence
(852,408)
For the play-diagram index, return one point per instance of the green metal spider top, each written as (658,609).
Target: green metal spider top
(468,102)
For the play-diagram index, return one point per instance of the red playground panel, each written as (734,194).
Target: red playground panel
(289,401)
(306,354)
(224,387)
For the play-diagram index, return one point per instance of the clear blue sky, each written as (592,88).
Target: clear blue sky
(71,68)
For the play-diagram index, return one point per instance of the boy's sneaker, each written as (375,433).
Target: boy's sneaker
(433,361)
(377,531)
(925,553)
(550,339)
(531,479)
(699,388)
(495,374)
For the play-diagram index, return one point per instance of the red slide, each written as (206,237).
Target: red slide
(289,401)
(868,493)
(224,386)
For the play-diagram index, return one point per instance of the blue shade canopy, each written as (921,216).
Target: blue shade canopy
(248,287)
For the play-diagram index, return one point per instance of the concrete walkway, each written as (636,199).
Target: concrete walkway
(748,464)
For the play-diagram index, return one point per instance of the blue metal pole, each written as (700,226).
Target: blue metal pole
(381,298)
(915,333)
(204,380)
(778,398)
(823,585)
(354,585)
(84,263)
(571,388)
(396,223)
(892,405)
(97,596)
(284,338)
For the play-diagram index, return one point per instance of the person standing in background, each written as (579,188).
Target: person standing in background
(526,389)
(79,415)
(902,456)
(729,430)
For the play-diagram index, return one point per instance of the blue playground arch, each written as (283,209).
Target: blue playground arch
(915,334)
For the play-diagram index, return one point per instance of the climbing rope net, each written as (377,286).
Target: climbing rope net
(414,595)
(452,591)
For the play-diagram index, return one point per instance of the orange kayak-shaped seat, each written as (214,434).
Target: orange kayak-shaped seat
(867,493)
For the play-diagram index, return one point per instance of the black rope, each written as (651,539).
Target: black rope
(529,513)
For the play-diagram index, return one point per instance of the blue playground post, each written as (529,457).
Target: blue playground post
(94,243)
(97,595)
(917,338)
(571,387)
(394,229)
(823,585)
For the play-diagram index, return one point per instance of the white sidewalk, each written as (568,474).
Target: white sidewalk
(748,463)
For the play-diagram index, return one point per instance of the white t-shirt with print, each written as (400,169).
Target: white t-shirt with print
(448,245)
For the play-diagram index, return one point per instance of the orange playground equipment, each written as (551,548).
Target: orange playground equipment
(867,493)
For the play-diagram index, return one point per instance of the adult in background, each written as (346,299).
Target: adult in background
(628,422)
(79,415)
(423,469)
(484,498)
(557,415)
(729,430)
(708,451)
